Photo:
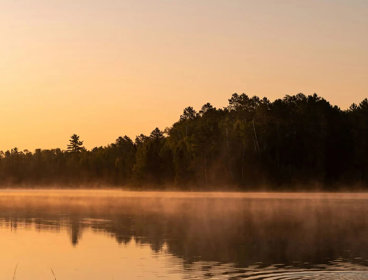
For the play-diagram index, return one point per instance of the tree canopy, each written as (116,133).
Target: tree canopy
(75,145)
(250,143)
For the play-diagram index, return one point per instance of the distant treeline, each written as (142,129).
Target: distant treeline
(248,144)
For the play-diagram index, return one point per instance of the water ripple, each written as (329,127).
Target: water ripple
(304,274)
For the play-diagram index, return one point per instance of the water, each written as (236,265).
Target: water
(173,235)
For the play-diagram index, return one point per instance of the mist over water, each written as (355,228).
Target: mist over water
(90,234)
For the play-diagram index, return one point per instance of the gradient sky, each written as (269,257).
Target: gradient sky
(107,68)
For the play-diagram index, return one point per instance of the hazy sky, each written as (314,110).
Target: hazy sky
(105,68)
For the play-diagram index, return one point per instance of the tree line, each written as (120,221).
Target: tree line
(250,143)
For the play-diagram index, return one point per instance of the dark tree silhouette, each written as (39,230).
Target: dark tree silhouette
(251,142)
(75,145)
(188,114)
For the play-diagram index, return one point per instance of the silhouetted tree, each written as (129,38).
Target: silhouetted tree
(75,145)
(249,143)
(188,114)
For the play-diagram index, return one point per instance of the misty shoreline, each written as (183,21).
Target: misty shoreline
(169,189)
(295,143)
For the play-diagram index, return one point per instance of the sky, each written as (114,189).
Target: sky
(104,69)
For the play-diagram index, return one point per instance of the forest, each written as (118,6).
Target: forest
(249,144)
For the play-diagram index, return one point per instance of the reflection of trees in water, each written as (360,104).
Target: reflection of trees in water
(75,230)
(231,230)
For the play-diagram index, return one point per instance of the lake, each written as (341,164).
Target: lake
(95,234)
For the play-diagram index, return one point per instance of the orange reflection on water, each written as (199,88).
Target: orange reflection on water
(96,257)
(110,234)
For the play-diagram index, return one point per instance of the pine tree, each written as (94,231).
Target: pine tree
(75,145)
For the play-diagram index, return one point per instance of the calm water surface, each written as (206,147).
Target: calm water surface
(173,235)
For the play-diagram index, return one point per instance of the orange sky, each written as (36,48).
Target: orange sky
(108,68)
